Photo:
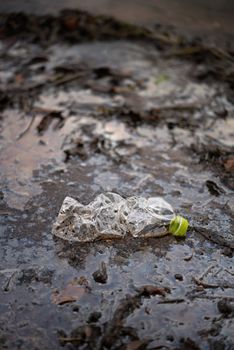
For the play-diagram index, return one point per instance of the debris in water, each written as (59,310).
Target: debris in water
(100,275)
(72,292)
(149,290)
(112,216)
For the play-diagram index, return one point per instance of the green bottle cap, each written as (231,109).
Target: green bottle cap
(178,226)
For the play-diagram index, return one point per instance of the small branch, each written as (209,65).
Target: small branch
(69,340)
(217,272)
(177,107)
(46,110)
(204,284)
(143,181)
(7,285)
(231,273)
(27,128)
(206,271)
(67,79)
(171,301)
(226,297)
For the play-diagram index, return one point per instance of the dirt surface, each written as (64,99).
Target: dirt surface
(88,105)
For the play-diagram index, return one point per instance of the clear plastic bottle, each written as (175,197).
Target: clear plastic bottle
(112,216)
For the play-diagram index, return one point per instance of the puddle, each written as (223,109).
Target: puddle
(132,122)
(22,156)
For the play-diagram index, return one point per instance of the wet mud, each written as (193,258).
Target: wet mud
(88,105)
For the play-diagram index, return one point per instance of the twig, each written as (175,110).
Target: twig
(46,110)
(191,50)
(204,284)
(227,297)
(217,272)
(171,301)
(27,128)
(199,281)
(212,235)
(219,53)
(143,180)
(7,285)
(68,340)
(165,39)
(40,85)
(67,79)
(206,272)
(27,88)
(231,273)
(176,107)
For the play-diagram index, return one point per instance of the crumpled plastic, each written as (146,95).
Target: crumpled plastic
(111,216)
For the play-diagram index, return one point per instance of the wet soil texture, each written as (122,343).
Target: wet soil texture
(88,105)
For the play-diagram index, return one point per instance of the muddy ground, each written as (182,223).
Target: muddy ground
(89,104)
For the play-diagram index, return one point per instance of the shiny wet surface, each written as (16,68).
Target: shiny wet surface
(134,121)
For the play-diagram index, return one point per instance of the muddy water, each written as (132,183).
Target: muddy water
(128,124)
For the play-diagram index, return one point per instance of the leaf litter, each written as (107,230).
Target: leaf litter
(73,291)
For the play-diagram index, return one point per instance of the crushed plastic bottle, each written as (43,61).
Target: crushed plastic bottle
(112,216)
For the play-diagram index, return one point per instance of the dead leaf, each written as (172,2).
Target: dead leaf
(229,165)
(149,290)
(47,120)
(72,292)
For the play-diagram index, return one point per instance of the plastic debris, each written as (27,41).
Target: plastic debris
(112,216)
